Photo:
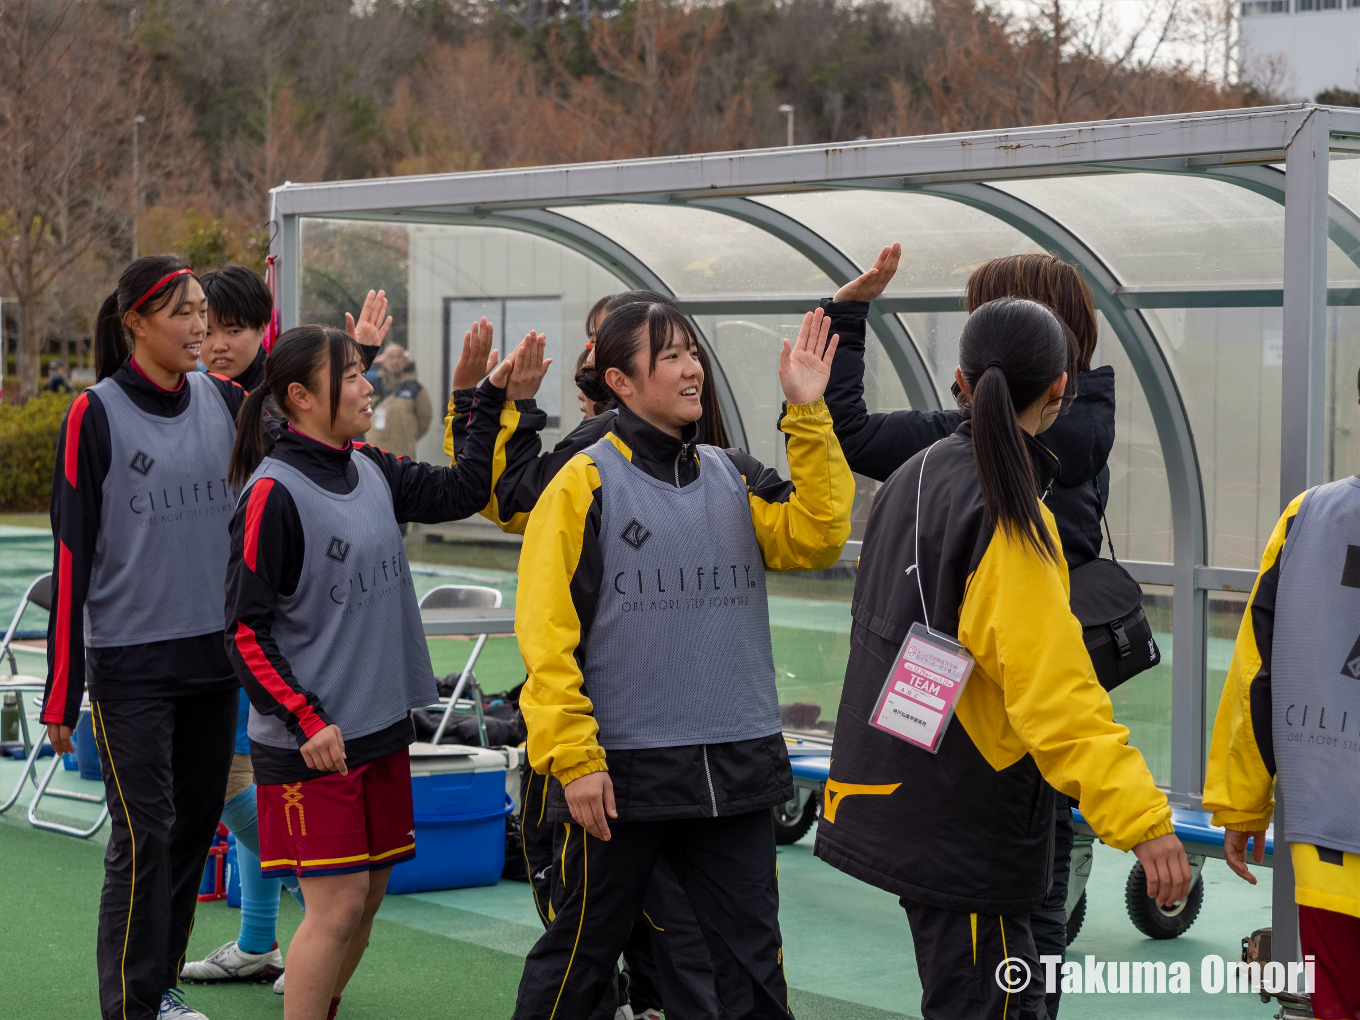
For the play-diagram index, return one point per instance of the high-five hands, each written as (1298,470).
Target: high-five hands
(805,367)
(523,368)
(374,322)
(478,357)
(530,368)
(872,283)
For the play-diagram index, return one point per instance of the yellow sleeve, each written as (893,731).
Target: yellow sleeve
(1034,690)
(510,418)
(559,717)
(805,527)
(1238,787)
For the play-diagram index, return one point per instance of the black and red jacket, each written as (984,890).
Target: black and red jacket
(267,546)
(156,669)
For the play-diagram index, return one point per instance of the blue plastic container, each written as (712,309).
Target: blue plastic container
(87,754)
(460,808)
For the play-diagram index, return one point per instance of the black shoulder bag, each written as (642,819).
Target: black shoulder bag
(1109,605)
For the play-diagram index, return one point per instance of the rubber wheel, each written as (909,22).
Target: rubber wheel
(790,828)
(1078,916)
(1151,919)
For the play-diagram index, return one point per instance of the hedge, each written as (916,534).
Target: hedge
(28,450)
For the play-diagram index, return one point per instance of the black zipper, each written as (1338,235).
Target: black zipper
(708,774)
(684,448)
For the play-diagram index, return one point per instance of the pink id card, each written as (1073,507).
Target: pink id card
(925,685)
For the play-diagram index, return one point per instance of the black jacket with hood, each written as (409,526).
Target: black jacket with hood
(876,445)
(970,828)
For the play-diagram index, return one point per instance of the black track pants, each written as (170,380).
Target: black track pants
(726,867)
(668,957)
(959,959)
(669,963)
(1049,922)
(165,764)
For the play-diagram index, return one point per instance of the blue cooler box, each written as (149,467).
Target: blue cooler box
(460,807)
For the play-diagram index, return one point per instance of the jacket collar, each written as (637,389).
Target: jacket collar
(254,372)
(658,453)
(328,466)
(147,395)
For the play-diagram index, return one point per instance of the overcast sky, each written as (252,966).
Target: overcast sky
(1124,18)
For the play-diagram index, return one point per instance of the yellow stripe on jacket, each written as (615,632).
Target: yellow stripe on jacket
(509,422)
(1034,690)
(1238,787)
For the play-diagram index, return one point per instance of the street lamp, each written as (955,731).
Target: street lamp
(787,109)
(137,121)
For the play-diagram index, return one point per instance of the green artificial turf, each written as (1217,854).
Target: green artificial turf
(50,897)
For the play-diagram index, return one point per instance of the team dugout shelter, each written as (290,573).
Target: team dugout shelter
(1223,249)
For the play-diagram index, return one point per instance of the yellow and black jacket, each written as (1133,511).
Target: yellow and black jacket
(1239,784)
(519,470)
(799,525)
(970,828)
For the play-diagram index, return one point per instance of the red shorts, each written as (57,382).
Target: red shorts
(337,824)
(1335,940)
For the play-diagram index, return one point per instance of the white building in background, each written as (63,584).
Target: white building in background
(1317,40)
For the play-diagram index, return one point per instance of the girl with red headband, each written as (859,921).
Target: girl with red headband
(140,507)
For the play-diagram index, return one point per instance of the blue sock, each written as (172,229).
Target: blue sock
(259,895)
(259,904)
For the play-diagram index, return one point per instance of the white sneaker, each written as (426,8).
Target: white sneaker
(624,1012)
(173,1007)
(278,985)
(228,963)
(648,1014)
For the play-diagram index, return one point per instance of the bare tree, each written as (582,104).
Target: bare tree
(68,93)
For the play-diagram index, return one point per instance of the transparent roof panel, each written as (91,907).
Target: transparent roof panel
(1167,229)
(942,241)
(1344,185)
(698,252)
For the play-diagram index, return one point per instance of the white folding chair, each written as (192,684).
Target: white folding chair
(39,593)
(463,596)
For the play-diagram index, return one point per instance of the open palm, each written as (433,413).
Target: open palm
(805,367)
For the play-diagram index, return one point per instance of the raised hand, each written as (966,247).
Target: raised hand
(500,375)
(478,357)
(530,368)
(805,368)
(374,322)
(874,282)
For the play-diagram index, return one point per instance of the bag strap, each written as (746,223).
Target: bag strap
(916,528)
(1101,503)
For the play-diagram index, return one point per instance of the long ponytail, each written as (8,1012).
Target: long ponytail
(253,441)
(296,357)
(1010,353)
(147,285)
(110,339)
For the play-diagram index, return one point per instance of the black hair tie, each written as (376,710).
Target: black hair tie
(995,364)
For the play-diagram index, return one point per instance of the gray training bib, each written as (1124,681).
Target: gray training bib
(160,561)
(351,631)
(679,649)
(1315,670)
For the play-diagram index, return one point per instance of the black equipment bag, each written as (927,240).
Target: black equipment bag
(1108,603)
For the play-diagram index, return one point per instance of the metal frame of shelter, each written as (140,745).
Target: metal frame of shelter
(1242,148)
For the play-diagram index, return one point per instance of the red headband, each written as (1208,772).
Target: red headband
(159,284)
